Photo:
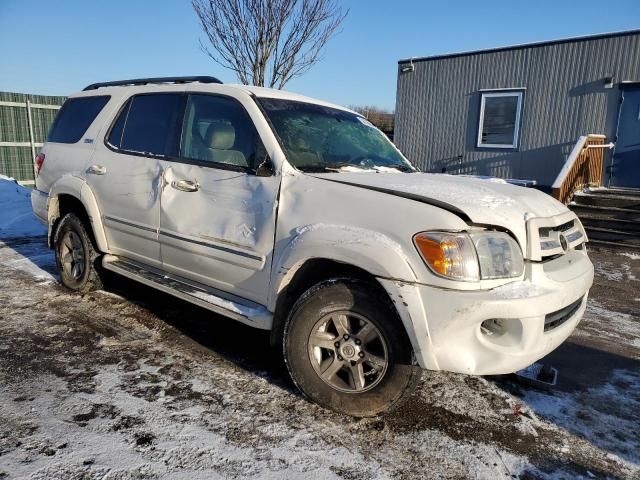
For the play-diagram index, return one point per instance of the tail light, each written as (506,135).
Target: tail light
(39,162)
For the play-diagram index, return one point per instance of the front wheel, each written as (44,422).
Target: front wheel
(76,256)
(347,351)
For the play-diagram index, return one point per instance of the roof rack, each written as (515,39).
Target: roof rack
(145,81)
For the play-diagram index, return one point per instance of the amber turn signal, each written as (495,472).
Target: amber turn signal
(450,255)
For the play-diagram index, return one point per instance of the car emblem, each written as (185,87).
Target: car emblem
(563,242)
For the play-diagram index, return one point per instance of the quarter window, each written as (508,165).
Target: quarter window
(500,119)
(74,118)
(148,125)
(218,130)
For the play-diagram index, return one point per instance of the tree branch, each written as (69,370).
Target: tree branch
(267,39)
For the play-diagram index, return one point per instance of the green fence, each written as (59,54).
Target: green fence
(24,122)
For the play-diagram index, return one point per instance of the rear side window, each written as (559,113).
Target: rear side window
(148,125)
(74,118)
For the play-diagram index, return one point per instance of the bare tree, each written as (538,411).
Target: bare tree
(267,42)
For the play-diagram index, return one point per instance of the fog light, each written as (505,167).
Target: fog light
(493,326)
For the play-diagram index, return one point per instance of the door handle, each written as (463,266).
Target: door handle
(97,170)
(185,185)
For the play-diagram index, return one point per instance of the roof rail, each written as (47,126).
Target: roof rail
(144,81)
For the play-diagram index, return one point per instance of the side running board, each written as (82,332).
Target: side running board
(240,309)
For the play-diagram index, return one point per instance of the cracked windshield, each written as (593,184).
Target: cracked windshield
(322,139)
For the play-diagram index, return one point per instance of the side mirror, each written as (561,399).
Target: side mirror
(265,169)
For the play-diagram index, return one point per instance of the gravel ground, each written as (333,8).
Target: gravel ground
(131,383)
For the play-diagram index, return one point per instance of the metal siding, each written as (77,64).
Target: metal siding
(16,162)
(437,105)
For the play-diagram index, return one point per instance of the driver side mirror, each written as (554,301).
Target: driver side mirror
(265,169)
(265,166)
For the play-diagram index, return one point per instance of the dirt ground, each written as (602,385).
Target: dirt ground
(131,383)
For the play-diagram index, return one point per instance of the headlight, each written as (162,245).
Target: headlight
(499,255)
(470,257)
(450,255)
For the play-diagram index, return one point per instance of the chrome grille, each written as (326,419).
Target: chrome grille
(553,236)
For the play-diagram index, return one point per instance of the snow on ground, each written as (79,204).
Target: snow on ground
(599,415)
(16,217)
(631,255)
(132,384)
(620,327)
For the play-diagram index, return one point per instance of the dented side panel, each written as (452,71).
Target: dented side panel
(222,234)
(322,219)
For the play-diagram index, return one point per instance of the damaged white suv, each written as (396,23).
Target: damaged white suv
(299,217)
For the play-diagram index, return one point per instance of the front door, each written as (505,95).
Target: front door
(625,168)
(217,217)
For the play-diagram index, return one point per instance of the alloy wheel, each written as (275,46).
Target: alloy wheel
(348,352)
(72,255)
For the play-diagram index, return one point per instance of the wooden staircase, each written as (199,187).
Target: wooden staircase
(610,216)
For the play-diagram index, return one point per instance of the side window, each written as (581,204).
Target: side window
(74,118)
(115,137)
(218,130)
(148,124)
(500,119)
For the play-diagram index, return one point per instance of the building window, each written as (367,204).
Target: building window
(500,119)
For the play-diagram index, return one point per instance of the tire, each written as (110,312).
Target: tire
(384,374)
(77,257)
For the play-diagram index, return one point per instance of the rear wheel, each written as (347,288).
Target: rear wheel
(346,349)
(77,258)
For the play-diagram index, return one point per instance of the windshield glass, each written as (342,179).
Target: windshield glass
(318,138)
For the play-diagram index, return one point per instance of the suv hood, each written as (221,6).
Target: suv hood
(486,202)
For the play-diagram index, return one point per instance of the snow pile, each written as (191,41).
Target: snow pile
(16,217)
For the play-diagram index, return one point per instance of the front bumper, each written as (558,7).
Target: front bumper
(445,325)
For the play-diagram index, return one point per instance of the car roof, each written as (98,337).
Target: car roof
(260,92)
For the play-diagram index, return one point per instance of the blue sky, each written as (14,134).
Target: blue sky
(58,47)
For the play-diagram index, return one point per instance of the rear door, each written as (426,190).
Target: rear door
(625,168)
(125,173)
(217,216)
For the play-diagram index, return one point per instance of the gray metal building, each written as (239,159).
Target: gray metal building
(517,112)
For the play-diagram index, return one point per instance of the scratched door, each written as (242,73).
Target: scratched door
(217,217)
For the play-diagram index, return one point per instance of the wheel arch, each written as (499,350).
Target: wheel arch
(72,194)
(308,273)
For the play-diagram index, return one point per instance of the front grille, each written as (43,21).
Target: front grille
(555,319)
(546,231)
(554,236)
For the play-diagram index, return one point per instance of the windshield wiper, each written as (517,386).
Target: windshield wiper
(317,168)
(340,167)
(401,168)
(330,167)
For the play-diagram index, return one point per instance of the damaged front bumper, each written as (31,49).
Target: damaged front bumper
(497,331)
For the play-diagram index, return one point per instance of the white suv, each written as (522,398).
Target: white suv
(297,216)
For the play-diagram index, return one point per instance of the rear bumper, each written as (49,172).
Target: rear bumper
(40,205)
(445,325)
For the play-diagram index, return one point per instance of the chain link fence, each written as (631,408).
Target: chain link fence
(24,123)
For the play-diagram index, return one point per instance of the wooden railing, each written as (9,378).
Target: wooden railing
(582,169)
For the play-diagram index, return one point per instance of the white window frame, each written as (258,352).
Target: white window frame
(516,134)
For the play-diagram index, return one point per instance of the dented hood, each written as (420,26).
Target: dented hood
(479,201)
